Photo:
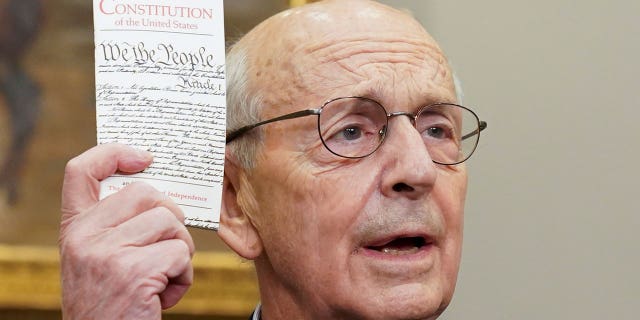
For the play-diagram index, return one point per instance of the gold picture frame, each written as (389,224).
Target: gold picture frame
(224,286)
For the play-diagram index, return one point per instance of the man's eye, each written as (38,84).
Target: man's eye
(351,133)
(437,132)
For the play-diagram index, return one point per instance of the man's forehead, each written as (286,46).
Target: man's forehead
(330,20)
(333,19)
(416,73)
(289,70)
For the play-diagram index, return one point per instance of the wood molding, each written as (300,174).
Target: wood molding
(297,3)
(224,285)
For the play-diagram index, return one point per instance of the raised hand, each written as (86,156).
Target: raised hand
(127,256)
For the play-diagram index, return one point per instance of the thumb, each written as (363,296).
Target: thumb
(81,186)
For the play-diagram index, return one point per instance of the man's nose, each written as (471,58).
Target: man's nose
(408,168)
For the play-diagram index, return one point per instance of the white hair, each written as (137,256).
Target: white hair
(457,86)
(243,106)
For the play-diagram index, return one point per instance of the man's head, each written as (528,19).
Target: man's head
(377,237)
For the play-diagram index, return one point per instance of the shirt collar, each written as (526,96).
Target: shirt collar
(256,312)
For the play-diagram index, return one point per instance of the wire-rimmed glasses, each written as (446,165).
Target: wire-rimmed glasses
(355,127)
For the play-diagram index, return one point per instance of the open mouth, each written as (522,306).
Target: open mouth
(401,246)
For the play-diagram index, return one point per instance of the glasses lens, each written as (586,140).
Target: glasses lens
(352,127)
(449,131)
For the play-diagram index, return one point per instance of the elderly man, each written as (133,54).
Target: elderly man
(343,182)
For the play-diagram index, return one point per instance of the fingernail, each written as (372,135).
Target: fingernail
(143,154)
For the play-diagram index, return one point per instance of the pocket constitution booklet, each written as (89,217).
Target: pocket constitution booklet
(160,86)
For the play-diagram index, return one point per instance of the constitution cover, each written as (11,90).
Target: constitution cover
(160,86)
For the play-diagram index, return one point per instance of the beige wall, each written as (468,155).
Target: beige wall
(552,214)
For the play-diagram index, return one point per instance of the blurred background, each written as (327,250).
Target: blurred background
(551,213)
(47,105)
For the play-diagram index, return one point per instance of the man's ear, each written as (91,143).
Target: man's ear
(238,204)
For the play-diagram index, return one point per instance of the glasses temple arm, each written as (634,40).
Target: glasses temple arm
(483,125)
(240,131)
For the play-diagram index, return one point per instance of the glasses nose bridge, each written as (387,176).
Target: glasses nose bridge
(411,116)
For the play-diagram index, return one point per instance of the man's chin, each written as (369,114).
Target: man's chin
(426,304)
(410,286)
(409,301)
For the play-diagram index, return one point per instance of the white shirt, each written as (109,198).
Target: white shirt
(256,312)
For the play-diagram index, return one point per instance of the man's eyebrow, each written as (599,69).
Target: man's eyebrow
(377,92)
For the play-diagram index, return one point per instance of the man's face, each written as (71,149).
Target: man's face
(377,237)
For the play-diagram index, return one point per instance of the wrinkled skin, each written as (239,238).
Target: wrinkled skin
(309,220)
(127,256)
(313,214)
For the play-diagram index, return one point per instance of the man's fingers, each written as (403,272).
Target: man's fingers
(152,226)
(83,173)
(176,288)
(127,203)
(168,263)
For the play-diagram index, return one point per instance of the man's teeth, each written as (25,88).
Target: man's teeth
(396,251)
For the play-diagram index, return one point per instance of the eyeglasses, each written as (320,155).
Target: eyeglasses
(355,127)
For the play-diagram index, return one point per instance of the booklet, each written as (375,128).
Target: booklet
(160,86)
